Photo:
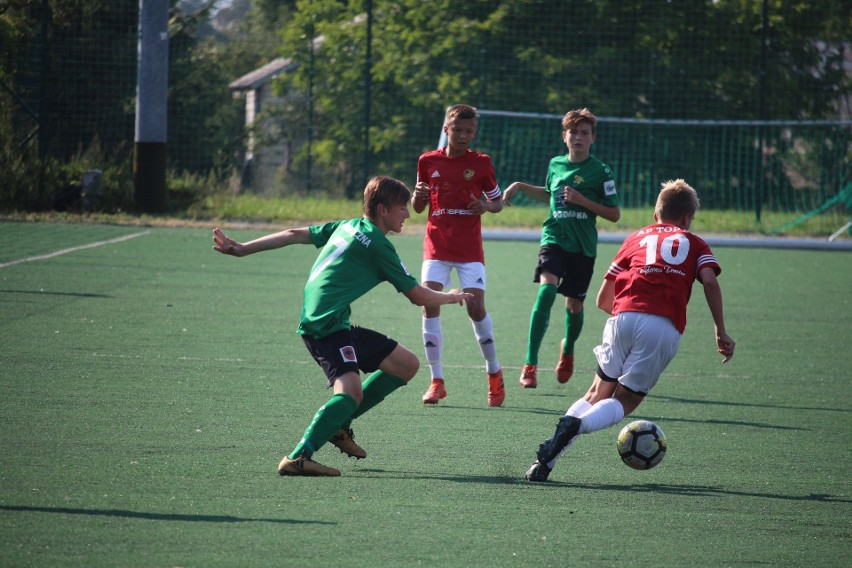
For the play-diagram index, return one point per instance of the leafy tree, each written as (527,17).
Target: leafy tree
(204,122)
(633,58)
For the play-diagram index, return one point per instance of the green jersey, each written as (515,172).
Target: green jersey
(355,258)
(569,226)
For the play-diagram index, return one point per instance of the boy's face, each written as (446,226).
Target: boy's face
(391,218)
(460,133)
(579,139)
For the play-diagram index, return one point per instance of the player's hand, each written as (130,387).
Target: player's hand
(226,245)
(459,296)
(726,345)
(571,195)
(510,192)
(422,190)
(476,206)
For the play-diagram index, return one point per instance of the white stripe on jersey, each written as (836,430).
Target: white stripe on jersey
(493,194)
(706,259)
(614,269)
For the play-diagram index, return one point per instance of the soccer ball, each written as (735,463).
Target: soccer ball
(641,444)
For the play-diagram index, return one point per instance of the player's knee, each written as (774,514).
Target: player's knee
(476,305)
(405,364)
(476,312)
(411,368)
(574,305)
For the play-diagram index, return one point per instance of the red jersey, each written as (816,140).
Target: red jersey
(453,233)
(654,271)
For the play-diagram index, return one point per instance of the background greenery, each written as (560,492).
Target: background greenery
(68,76)
(150,386)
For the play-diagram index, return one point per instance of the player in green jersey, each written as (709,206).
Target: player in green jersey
(580,188)
(356,256)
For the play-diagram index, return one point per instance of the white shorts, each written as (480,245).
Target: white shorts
(470,274)
(636,348)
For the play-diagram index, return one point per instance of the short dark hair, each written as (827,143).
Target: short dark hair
(383,190)
(461,111)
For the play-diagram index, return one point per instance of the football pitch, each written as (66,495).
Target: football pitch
(150,386)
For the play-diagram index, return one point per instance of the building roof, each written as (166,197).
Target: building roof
(262,75)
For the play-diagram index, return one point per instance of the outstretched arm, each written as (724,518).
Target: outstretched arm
(713,293)
(227,245)
(537,192)
(426,297)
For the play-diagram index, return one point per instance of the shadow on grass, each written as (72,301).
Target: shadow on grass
(507,408)
(556,414)
(156,516)
(43,293)
(721,423)
(705,491)
(746,404)
(686,490)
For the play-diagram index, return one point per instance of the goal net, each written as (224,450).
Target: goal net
(776,171)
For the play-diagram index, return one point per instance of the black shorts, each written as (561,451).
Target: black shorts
(349,351)
(573,269)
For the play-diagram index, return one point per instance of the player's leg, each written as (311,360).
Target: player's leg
(574,286)
(537,472)
(435,275)
(387,364)
(483,329)
(653,343)
(599,390)
(547,273)
(611,356)
(336,355)
(326,422)
(610,411)
(394,371)
(472,280)
(540,316)
(568,428)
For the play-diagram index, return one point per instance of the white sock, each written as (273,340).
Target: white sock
(484,332)
(602,415)
(577,409)
(433,341)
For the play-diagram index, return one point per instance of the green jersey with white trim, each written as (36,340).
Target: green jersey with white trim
(570,226)
(356,256)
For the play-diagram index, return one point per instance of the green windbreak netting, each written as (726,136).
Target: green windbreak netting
(761,167)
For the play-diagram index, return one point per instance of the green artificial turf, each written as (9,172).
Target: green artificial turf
(148,388)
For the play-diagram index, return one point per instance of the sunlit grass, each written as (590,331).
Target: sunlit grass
(295,211)
(312,209)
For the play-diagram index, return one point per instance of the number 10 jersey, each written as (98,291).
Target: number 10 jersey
(654,271)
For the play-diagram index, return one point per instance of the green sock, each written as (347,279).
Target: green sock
(539,319)
(573,327)
(376,387)
(326,422)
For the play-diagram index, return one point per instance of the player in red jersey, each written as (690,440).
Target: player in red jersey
(645,290)
(451,181)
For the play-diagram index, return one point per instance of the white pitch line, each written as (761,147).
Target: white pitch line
(74,249)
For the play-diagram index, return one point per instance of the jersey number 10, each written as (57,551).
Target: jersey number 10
(673,249)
